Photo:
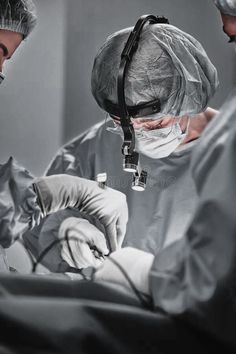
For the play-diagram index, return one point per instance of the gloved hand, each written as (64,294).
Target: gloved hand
(85,237)
(136,263)
(107,205)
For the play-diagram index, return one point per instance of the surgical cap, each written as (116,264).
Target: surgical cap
(169,64)
(18,16)
(227,7)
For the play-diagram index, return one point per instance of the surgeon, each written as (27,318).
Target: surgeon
(24,200)
(194,278)
(170,66)
(191,283)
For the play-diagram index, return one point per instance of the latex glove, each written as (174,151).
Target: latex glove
(85,235)
(136,263)
(107,205)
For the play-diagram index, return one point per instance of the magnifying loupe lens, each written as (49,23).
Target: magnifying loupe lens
(130,162)
(139,181)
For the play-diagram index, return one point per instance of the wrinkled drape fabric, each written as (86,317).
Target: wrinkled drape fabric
(76,317)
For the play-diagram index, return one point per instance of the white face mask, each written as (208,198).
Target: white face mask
(158,143)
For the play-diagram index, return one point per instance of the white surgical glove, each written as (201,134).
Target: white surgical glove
(85,237)
(107,205)
(136,263)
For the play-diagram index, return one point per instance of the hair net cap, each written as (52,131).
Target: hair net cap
(169,64)
(227,7)
(18,16)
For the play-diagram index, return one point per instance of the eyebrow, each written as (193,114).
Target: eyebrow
(5,50)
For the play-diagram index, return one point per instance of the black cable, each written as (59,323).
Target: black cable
(140,295)
(43,254)
(48,248)
(66,238)
(69,248)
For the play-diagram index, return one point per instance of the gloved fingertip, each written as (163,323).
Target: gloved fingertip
(111,239)
(101,247)
(106,252)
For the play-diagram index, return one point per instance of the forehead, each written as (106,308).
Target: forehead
(10,39)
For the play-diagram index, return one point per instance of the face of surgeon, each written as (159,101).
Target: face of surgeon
(229,26)
(197,123)
(9,42)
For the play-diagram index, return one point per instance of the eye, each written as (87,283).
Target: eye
(4,49)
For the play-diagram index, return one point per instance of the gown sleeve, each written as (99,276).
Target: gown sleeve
(19,210)
(195,277)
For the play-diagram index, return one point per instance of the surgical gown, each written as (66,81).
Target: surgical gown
(195,277)
(18,206)
(157,217)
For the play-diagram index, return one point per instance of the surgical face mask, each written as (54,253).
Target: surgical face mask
(158,143)
(2,77)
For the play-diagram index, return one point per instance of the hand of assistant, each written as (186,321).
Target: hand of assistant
(86,242)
